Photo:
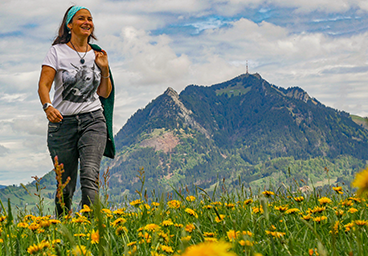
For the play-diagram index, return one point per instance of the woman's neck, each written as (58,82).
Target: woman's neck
(79,43)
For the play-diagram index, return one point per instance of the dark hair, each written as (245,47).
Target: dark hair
(63,35)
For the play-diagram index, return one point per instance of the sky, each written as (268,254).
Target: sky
(318,45)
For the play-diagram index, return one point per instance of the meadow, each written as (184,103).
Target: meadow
(277,221)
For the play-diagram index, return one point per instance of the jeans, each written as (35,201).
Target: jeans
(78,137)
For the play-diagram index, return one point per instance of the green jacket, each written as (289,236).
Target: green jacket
(108,109)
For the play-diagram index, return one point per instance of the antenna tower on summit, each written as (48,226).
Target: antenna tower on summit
(247,66)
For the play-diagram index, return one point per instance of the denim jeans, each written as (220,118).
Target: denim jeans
(80,137)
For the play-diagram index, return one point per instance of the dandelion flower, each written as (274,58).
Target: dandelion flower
(85,209)
(248,201)
(167,223)
(361,222)
(319,219)
(174,204)
(189,228)
(275,233)
(281,208)
(190,198)
(352,210)
(338,190)
(324,200)
(166,248)
(95,237)
(209,249)
(232,234)
(268,193)
(299,199)
(292,210)
(80,251)
(186,239)
(191,212)
(136,202)
(152,227)
(219,219)
(361,182)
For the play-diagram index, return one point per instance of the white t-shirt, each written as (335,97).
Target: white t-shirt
(75,83)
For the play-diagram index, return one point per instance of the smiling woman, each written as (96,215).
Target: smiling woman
(77,131)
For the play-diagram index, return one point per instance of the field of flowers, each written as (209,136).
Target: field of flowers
(278,222)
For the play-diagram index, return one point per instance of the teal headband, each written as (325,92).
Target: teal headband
(72,12)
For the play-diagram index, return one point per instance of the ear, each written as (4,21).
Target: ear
(69,26)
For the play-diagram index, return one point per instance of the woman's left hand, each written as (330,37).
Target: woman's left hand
(102,62)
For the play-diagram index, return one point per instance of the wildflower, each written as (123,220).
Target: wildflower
(152,227)
(118,221)
(34,226)
(174,204)
(155,204)
(210,239)
(2,218)
(292,210)
(219,219)
(189,228)
(352,210)
(55,221)
(121,230)
(95,237)
(335,228)
(356,199)
(164,236)
(209,249)
(178,225)
(230,205)
(191,212)
(319,219)
(167,223)
(268,193)
(232,234)
(338,190)
(347,203)
(318,209)
(209,234)
(131,243)
(247,233)
(257,209)
(361,182)
(361,222)
(80,235)
(106,211)
(186,239)
(275,233)
(146,237)
(246,243)
(190,198)
(311,252)
(136,202)
(299,199)
(208,206)
(33,249)
(166,248)
(217,203)
(248,201)
(119,211)
(281,208)
(348,226)
(85,209)
(324,200)
(22,225)
(339,213)
(80,250)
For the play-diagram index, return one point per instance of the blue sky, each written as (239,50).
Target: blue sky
(318,45)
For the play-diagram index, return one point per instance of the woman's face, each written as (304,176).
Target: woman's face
(82,24)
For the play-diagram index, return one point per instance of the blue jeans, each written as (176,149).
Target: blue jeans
(78,137)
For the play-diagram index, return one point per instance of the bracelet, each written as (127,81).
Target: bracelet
(106,76)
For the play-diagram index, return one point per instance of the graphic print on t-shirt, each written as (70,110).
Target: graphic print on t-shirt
(81,84)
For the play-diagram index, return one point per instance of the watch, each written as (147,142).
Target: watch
(46,105)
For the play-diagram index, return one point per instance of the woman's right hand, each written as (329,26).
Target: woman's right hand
(53,115)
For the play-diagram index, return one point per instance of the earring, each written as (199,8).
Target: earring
(69,32)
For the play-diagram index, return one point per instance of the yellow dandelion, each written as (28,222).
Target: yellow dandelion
(208,206)
(34,226)
(319,219)
(232,234)
(347,203)
(324,200)
(338,190)
(257,209)
(80,251)
(268,193)
(186,239)
(210,239)
(189,228)
(318,209)
(292,210)
(167,223)
(152,227)
(247,233)
(299,199)
(248,201)
(275,233)
(281,208)
(155,204)
(120,211)
(22,225)
(230,205)
(166,248)
(174,204)
(361,182)
(121,230)
(361,222)
(352,210)
(118,221)
(136,202)
(85,209)
(348,226)
(190,198)
(209,249)
(95,237)
(246,243)
(219,219)
(209,234)
(80,235)
(339,213)
(131,243)
(191,212)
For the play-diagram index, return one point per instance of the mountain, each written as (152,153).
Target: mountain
(244,128)
(242,131)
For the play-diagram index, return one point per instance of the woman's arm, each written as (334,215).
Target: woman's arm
(105,87)
(44,87)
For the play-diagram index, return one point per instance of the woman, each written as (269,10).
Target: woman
(77,129)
